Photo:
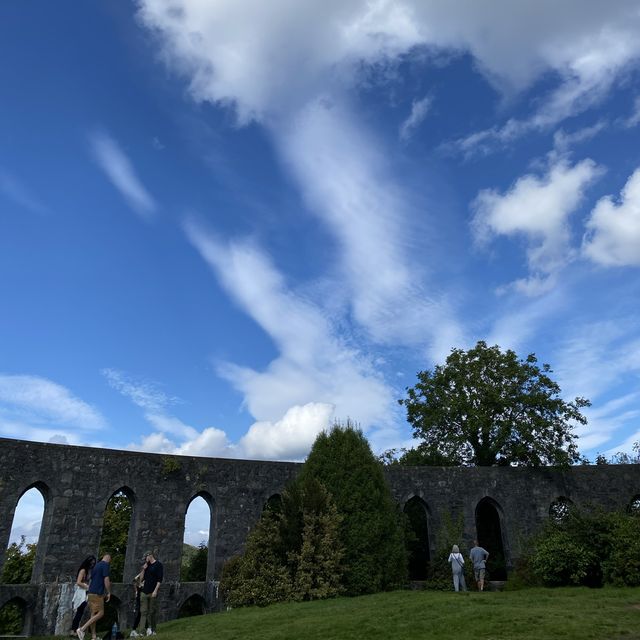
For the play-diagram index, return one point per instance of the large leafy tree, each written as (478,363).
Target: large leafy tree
(487,407)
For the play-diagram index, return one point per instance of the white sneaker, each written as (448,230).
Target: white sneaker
(134,634)
(149,632)
(80,634)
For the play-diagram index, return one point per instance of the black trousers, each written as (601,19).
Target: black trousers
(76,619)
(136,620)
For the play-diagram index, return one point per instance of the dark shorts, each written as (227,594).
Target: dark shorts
(479,574)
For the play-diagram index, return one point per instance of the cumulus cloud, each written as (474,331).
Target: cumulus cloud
(288,438)
(536,208)
(119,169)
(613,229)
(231,59)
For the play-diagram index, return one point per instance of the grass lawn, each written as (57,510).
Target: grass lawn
(535,614)
(580,613)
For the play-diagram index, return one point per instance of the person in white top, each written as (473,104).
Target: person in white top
(457,567)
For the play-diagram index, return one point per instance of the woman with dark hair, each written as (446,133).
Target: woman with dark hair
(79,601)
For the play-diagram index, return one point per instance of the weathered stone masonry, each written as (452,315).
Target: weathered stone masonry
(77,482)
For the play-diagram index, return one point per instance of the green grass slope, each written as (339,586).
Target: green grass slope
(536,614)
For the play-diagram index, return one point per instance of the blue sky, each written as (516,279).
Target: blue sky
(225,224)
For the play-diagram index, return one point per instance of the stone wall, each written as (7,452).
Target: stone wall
(77,482)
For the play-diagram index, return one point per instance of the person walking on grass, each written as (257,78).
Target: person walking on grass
(99,592)
(479,557)
(153,576)
(457,568)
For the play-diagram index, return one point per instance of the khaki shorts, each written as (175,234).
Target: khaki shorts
(479,573)
(96,604)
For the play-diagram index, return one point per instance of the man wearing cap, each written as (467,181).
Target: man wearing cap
(99,592)
(148,600)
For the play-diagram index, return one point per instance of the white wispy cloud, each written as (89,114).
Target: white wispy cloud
(42,403)
(613,228)
(148,395)
(315,363)
(536,208)
(345,181)
(18,193)
(419,111)
(145,393)
(601,361)
(121,173)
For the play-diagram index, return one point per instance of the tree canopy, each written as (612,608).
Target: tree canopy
(487,407)
(18,563)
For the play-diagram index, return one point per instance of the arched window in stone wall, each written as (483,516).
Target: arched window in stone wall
(273,503)
(559,509)
(634,506)
(197,557)
(193,606)
(13,616)
(116,531)
(112,613)
(418,540)
(24,555)
(489,532)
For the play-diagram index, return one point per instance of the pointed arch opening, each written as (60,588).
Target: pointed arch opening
(273,503)
(418,543)
(197,557)
(24,556)
(117,526)
(13,618)
(112,614)
(490,535)
(193,606)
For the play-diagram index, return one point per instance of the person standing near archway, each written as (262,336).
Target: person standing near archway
(479,557)
(153,576)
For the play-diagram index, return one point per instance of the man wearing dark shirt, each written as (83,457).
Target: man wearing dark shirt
(148,600)
(99,592)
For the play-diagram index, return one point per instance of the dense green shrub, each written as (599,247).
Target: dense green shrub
(292,554)
(11,619)
(589,547)
(622,566)
(18,564)
(560,560)
(372,529)
(258,577)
